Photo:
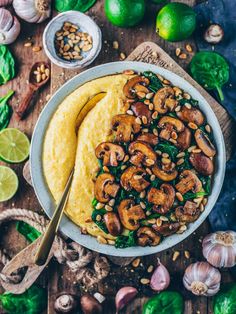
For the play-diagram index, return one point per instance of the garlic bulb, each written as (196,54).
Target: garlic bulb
(4,3)
(160,279)
(9,27)
(202,279)
(219,248)
(33,11)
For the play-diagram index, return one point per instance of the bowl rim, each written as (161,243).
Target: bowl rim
(79,63)
(68,227)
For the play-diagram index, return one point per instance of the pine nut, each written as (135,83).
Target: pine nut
(177,91)
(174,135)
(146,102)
(144,119)
(151,106)
(149,95)
(191,148)
(142,194)
(177,52)
(173,141)
(108,208)
(180,162)
(126,158)
(166,82)
(155,132)
(159,152)
(165,155)
(153,177)
(186,96)
(130,112)
(189,48)
(148,171)
(145,130)
(196,151)
(204,202)
(187,254)
(105,168)
(144,281)
(158,222)
(208,128)
(138,120)
(202,207)
(165,161)
(36,49)
(151,221)
(155,115)
(142,204)
(150,162)
(150,269)
(98,218)
(177,109)
(141,94)
(183,56)
(182,229)
(163,218)
(187,105)
(115,46)
(179,196)
(123,167)
(175,256)
(137,177)
(112,202)
(99,206)
(182,154)
(101,240)
(136,262)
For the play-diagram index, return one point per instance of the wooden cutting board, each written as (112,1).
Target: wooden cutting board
(151,53)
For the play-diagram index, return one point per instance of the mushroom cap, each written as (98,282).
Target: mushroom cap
(161,100)
(142,153)
(167,229)
(148,138)
(132,178)
(204,143)
(176,123)
(129,87)
(110,153)
(202,163)
(165,175)
(112,223)
(130,214)
(184,139)
(105,187)
(189,181)
(141,110)
(163,199)
(189,213)
(147,236)
(124,125)
(193,115)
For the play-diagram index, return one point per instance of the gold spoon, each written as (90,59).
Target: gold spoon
(49,236)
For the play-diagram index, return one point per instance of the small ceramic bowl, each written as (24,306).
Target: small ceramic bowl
(86,24)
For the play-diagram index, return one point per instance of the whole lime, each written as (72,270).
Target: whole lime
(124,13)
(176,21)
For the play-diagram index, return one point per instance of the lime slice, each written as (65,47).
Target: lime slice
(8,183)
(14,145)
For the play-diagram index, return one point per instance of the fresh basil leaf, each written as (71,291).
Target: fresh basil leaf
(123,241)
(211,70)
(5,110)
(77,5)
(7,65)
(32,301)
(30,233)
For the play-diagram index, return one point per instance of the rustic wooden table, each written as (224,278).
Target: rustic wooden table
(56,278)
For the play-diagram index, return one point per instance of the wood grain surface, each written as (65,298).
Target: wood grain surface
(57,278)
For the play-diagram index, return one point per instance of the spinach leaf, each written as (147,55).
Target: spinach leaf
(206,183)
(224,301)
(186,164)
(190,195)
(30,233)
(77,5)
(155,83)
(211,70)
(101,224)
(5,110)
(168,148)
(190,101)
(7,65)
(32,301)
(123,241)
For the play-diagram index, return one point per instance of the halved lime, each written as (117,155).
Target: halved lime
(14,145)
(8,183)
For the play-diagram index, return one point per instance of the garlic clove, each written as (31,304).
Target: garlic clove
(214,34)
(9,27)
(202,279)
(160,279)
(124,296)
(219,248)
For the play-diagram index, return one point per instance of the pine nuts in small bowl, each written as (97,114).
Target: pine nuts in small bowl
(72,40)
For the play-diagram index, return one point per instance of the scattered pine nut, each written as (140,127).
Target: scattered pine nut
(115,44)
(101,240)
(136,262)
(179,196)
(122,56)
(187,254)
(189,48)
(177,52)
(99,206)
(183,56)
(28,44)
(196,151)
(175,256)
(150,269)
(36,49)
(144,281)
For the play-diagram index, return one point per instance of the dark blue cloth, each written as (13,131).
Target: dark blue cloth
(223,12)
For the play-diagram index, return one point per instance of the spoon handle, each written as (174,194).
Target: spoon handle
(22,108)
(49,236)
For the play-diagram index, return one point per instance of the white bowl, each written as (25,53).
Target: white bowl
(86,24)
(44,195)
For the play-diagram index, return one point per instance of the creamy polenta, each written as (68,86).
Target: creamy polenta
(66,147)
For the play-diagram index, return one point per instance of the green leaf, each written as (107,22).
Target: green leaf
(155,83)
(211,70)
(190,195)
(206,183)
(5,110)
(123,241)
(225,302)
(165,302)
(7,65)
(30,233)
(32,301)
(168,148)
(77,5)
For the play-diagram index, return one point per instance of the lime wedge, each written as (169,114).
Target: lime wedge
(8,183)
(14,145)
